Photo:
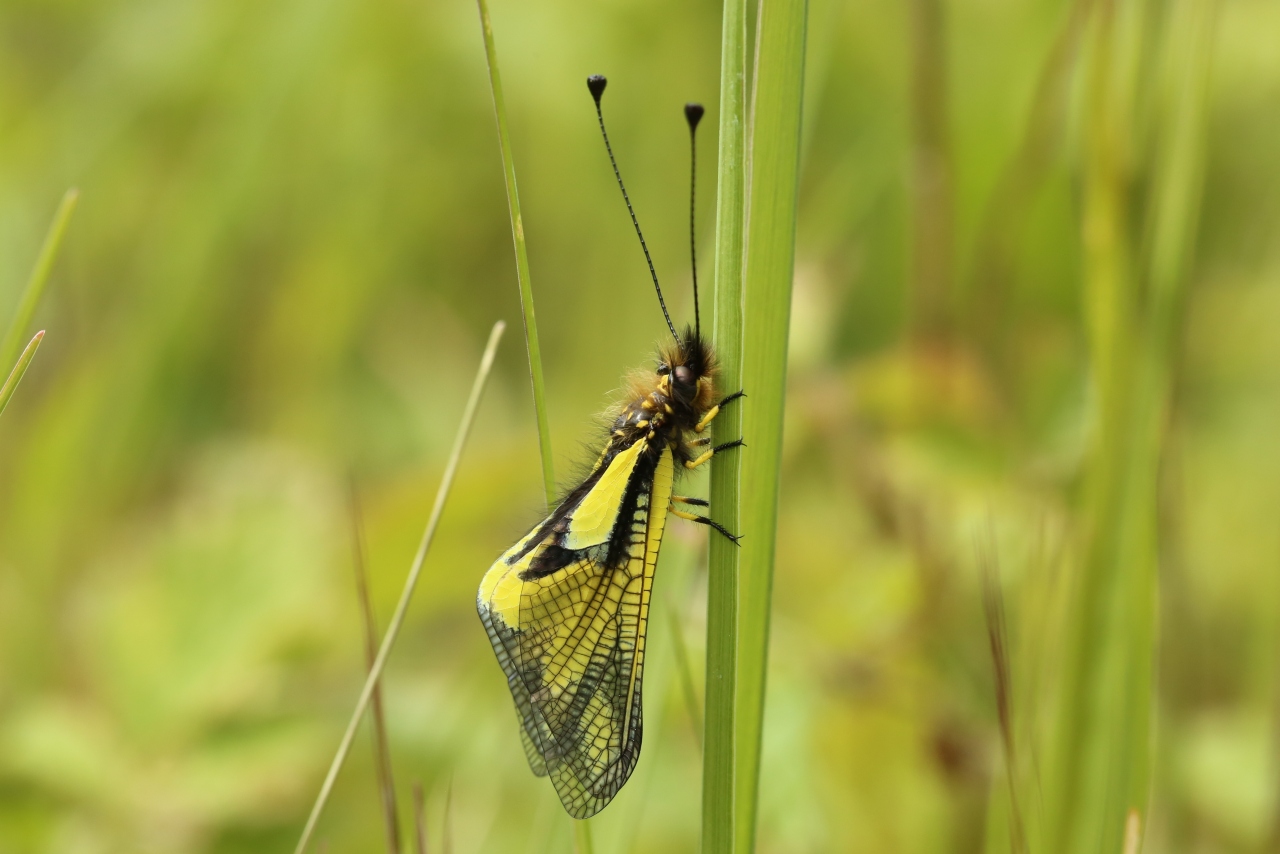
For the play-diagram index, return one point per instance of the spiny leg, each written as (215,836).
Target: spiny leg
(700,460)
(715,410)
(706,455)
(703,520)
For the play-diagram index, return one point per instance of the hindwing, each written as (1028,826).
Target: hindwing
(566,609)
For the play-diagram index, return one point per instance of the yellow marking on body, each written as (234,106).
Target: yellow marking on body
(667,408)
(646,404)
(702,458)
(643,422)
(593,518)
(707,419)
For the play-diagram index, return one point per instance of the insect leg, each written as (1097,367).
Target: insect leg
(697,502)
(706,455)
(715,410)
(703,520)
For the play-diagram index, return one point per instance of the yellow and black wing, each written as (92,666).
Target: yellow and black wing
(566,609)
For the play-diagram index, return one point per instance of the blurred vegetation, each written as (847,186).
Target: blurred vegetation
(1032,342)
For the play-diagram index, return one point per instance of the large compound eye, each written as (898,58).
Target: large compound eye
(684,376)
(663,370)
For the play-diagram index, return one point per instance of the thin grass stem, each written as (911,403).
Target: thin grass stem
(727,337)
(988,306)
(718,775)
(446,825)
(522,258)
(1095,759)
(582,832)
(998,642)
(1103,753)
(419,819)
(39,277)
(381,748)
(774,156)
(15,377)
(932,213)
(410,584)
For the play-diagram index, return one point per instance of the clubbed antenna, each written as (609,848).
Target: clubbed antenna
(596,84)
(693,115)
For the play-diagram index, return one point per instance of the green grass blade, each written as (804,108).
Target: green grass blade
(381,743)
(718,775)
(410,584)
(1100,778)
(39,277)
(15,376)
(932,289)
(522,258)
(1095,756)
(778,93)
(419,820)
(1180,172)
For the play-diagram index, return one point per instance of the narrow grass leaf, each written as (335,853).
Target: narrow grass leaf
(932,176)
(446,826)
(1097,757)
(988,306)
(998,642)
(15,377)
(419,819)
(31,294)
(1103,754)
(718,776)
(522,258)
(381,744)
(778,95)
(410,584)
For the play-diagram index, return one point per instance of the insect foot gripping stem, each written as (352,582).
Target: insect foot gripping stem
(704,520)
(706,455)
(715,410)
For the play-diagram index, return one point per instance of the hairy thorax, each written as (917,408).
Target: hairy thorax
(658,415)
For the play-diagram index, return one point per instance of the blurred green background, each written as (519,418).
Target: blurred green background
(291,242)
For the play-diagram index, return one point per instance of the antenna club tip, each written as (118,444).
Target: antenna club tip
(596,83)
(693,114)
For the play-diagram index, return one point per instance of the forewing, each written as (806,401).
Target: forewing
(574,657)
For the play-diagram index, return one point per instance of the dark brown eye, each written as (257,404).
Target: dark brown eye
(684,376)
